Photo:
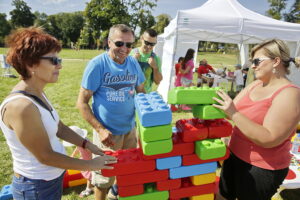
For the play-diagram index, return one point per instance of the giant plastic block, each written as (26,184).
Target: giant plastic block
(203,197)
(179,148)
(125,191)
(207,112)
(6,192)
(203,179)
(154,133)
(188,189)
(192,95)
(210,149)
(157,147)
(193,170)
(193,159)
(141,178)
(191,130)
(169,184)
(152,110)
(150,194)
(130,161)
(167,163)
(77,182)
(73,178)
(218,128)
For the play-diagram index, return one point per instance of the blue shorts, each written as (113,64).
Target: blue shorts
(34,189)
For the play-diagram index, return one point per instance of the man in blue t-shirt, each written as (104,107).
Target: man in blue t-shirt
(112,79)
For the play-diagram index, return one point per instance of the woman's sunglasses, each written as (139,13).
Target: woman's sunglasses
(54,60)
(121,44)
(152,44)
(257,61)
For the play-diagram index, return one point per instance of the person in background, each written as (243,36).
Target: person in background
(112,79)
(186,69)
(245,74)
(149,62)
(31,125)
(238,77)
(177,72)
(265,115)
(204,68)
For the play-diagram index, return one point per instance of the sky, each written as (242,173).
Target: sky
(169,7)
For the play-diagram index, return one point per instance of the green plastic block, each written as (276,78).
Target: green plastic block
(192,95)
(150,194)
(157,147)
(210,149)
(154,133)
(207,112)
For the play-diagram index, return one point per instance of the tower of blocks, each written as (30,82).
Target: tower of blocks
(173,163)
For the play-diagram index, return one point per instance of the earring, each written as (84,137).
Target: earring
(274,71)
(32,72)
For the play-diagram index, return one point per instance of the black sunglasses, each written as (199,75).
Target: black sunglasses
(152,44)
(121,44)
(54,60)
(257,61)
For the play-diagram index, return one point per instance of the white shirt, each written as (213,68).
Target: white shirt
(238,74)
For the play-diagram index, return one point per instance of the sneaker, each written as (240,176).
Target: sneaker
(86,192)
(113,192)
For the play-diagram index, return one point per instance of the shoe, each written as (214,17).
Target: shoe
(86,192)
(113,192)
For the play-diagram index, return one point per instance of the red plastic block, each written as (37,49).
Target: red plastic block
(126,191)
(71,175)
(191,130)
(168,184)
(188,189)
(141,178)
(130,161)
(193,159)
(179,148)
(218,128)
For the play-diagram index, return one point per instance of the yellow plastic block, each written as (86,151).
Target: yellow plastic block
(77,182)
(203,197)
(203,179)
(71,172)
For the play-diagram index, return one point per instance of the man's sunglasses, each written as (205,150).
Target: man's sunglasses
(152,44)
(257,61)
(54,60)
(121,44)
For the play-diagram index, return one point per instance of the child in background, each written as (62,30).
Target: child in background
(177,72)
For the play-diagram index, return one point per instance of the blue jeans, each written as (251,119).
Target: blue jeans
(34,189)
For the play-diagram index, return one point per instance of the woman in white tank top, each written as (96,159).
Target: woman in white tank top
(31,125)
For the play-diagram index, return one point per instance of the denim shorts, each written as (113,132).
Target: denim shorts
(34,189)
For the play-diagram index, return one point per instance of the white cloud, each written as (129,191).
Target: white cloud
(52,1)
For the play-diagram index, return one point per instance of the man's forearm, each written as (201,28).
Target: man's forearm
(157,76)
(88,115)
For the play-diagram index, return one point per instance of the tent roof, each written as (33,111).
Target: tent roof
(229,21)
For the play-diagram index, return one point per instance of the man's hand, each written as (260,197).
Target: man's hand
(152,63)
(137,55)
(106,137)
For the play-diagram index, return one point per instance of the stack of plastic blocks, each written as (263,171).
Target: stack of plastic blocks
(73,178)
(6,193)
(153,119)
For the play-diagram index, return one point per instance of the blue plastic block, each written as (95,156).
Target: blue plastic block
(6,193)
(193,170)
(152,110)
(168,163)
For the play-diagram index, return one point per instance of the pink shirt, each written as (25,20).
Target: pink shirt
(268,158)
(189,75)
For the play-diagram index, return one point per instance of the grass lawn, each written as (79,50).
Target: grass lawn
(63,95)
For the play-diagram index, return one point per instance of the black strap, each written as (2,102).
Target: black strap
(38,100)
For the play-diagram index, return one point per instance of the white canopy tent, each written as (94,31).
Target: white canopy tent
(225,21)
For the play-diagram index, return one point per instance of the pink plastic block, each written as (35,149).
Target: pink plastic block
(126,191)
(191,130)
(188,189)
(193,159)
(130,161)
(218,128)
(168,184)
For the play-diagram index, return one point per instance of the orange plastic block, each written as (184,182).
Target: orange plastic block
(168,184)
(130,161)
(218,128)
(126,191)
(77,182)
(203,197)
(203,179)
(191,130)
(71,175)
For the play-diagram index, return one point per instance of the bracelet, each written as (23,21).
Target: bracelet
(84,143)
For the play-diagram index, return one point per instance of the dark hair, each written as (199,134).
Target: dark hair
(151,32)
(26,46)
(180,59)
(188,56)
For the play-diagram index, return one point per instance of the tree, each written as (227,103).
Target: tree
(163,21)
(294,14)
(5,28)
(276,8)
(41,19)
(21,16)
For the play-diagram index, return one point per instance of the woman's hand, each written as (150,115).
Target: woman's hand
(102,162)
(225,103)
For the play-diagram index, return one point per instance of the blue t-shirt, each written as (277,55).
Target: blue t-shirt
(113,87)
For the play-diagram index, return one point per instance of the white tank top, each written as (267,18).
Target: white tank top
(24,162)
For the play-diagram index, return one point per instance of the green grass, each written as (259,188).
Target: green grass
(63,95)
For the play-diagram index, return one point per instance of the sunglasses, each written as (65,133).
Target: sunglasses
(121,44)
(257,61)
(152,44)
(54,60)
